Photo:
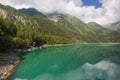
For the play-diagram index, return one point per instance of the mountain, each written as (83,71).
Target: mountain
(35,28)
(91,32)
(99,32)
(32,30)
(31,12)
(115,26)
(37,22)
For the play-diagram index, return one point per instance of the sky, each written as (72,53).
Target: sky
(101,11)
(95,3)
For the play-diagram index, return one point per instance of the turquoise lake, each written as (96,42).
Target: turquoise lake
(71,62)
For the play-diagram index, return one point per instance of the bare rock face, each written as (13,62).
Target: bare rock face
(3,13)
(16,17)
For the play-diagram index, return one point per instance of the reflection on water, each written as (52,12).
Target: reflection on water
(75,62)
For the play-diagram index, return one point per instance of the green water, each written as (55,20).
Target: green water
(73,62)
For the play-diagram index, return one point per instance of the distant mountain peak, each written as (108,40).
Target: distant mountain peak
(31,11)
(56,14)
(94,24)
(115,27)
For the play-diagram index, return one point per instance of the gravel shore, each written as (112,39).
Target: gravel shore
(7,71)
(9,61)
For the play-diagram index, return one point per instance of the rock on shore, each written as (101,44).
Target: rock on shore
(6,71)
(8,63)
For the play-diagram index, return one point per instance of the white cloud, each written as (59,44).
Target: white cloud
(108,13)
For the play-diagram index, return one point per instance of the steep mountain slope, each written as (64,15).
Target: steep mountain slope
(100,33)
(115,31)
(91,32)
(77,29)
(115,27)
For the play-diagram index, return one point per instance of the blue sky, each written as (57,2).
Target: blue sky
(95,3)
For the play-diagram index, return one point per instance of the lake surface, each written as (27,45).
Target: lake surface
(72,62)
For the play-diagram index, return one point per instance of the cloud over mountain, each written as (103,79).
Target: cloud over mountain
(107,13)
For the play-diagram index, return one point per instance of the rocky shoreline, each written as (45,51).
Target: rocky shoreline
(9,62)
(7,71)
